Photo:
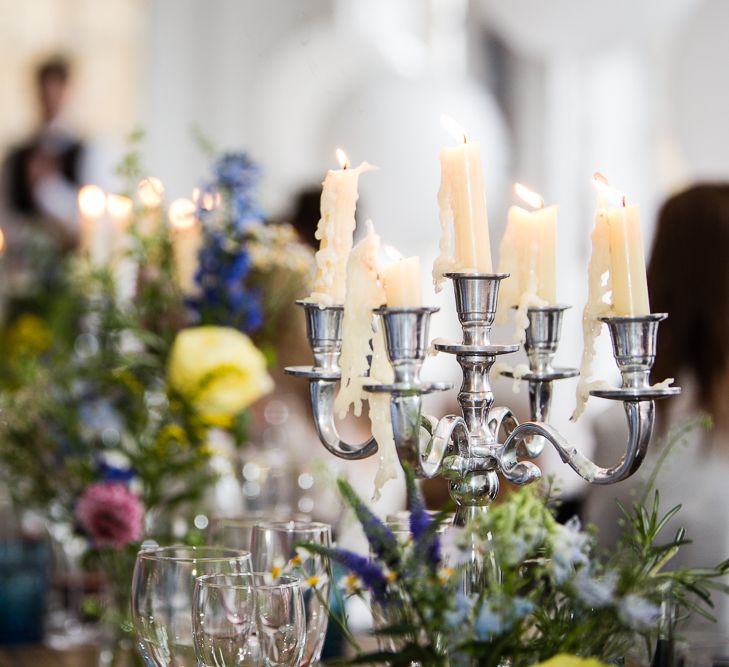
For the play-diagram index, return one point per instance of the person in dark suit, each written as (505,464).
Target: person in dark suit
(39,185)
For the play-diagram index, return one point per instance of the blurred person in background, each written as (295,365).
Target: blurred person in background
(39,185)
(688,277)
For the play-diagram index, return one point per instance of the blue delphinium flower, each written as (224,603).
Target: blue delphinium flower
(371,574)
(498,616)
(224,297)
(381,539)
(638,613)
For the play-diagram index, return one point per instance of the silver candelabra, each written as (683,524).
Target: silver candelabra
(473,449)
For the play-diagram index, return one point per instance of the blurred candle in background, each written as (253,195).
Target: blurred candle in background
(124,268)
(462,205)
(186,237)
(94,228)
(401,280)
(151,192)
(335,230)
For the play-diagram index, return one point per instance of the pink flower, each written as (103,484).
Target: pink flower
(110,514)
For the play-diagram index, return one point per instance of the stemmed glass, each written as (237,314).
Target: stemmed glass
(273,545)
(162,589)
(248,619)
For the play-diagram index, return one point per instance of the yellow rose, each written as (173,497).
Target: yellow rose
(218,370)
(564,660)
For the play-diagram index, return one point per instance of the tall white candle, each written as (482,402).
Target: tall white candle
(338,203)
(120,210)
(186,236)
(150,191)
(401,279)
(94,227)
(462,204)
(617,268)
(364,293)
(528,254)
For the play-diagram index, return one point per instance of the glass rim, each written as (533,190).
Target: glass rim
(292,526)
(206,580)
(203,553)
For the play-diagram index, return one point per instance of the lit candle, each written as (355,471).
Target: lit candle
(627,259)
(120,214)
(94,230)
(462,204)
(364,293)
(120,209)
(338,203)
(401,280)
(186,242)
(616,278)
(528,253)
(151,192)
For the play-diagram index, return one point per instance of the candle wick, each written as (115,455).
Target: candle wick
(465,138)
(625,201)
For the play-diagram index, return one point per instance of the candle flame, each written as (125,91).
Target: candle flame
(342,159)
(119,206)
(529,196)
(612,196)
(453,128)
(182,213)
(151,191)
(2,240)
(91,201)
(392,253)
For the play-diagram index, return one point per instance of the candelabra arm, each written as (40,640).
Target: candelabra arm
(640,415)
(422,441)
(322,402)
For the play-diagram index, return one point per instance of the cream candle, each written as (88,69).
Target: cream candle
(335,229)
(617,282)
(120,210)
(462,205)
(627,258)
(365,292)
(528,253)
(150,191)
(402,284)
(94,228)
(186,237)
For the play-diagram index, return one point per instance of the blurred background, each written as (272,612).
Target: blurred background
(553,91)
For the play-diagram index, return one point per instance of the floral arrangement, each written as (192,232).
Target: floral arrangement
(108,398)
(516,587)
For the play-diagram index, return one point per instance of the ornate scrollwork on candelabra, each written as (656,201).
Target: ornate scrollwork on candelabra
(474,449)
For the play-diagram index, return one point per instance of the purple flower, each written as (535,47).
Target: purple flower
(371,574)
(110,514)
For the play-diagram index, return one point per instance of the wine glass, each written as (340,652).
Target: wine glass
(273,546)
(233,530)
(248,619)
(162,589)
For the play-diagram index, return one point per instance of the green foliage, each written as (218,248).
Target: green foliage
(517,586)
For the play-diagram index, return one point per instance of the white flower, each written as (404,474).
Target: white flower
(277,569)
(570,548)
(300,556)
(638,613)
(315,581)
(351,584)
(595,593)
(456,546)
